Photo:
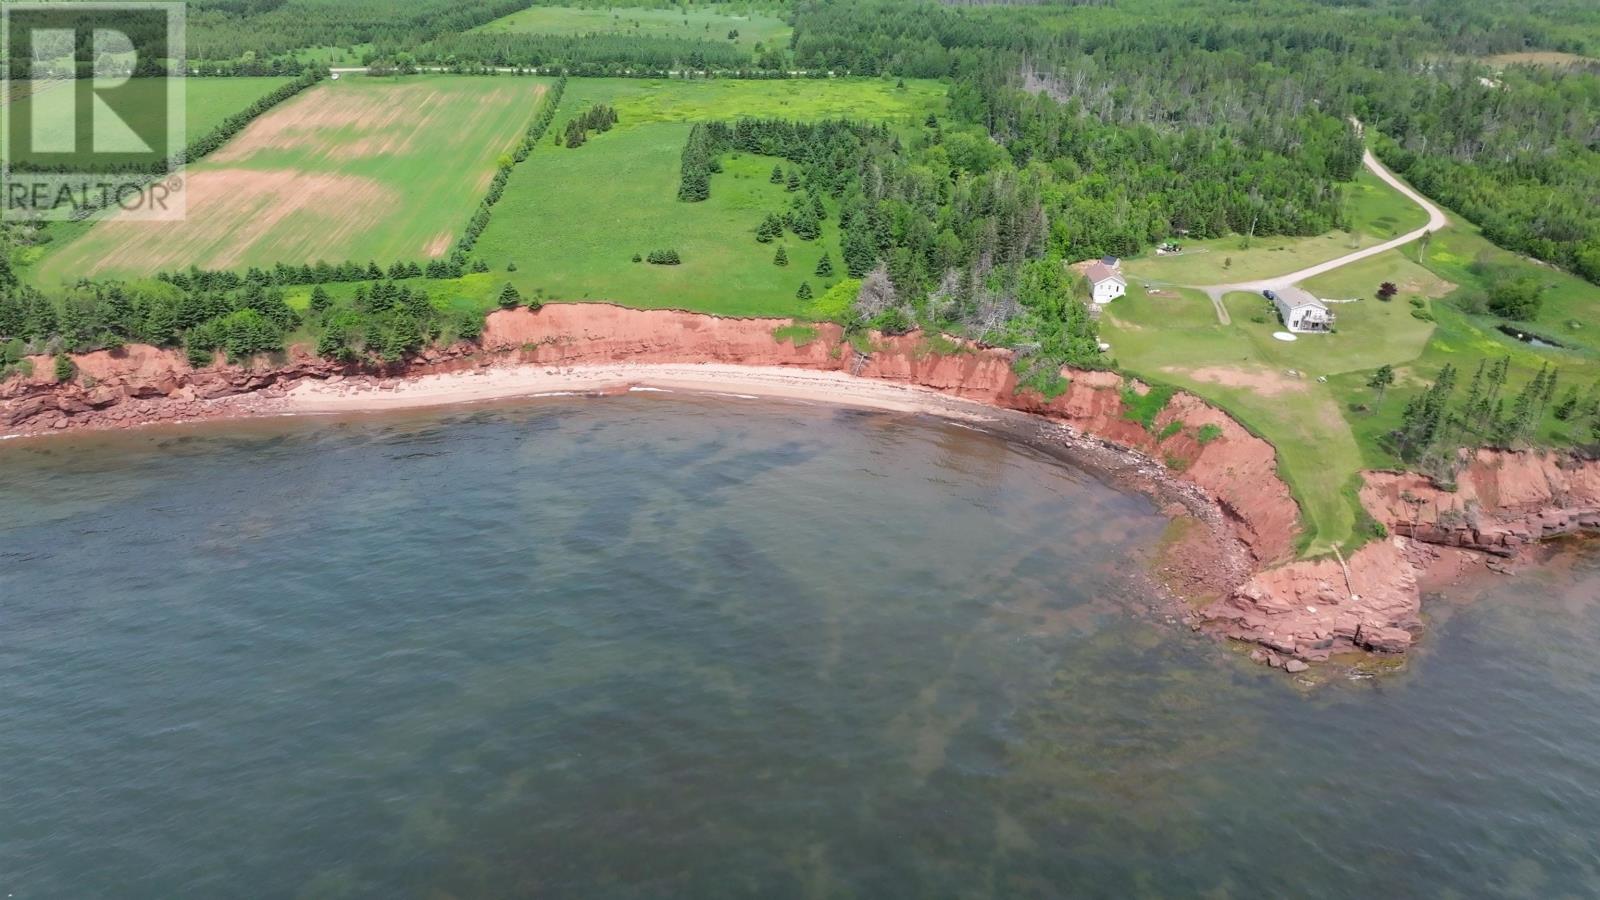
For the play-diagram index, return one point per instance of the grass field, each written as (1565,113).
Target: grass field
(359,169)
(207,101)
(1310,398)
(1174,338)
(571,219)
(713,23)
(1377,213)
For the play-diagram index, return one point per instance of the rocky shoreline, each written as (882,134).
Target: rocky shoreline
(1236,574)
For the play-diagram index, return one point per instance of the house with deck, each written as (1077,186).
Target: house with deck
(1301,311)
(1106,281)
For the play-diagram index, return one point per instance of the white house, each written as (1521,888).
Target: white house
(1105,280)
(1300,311)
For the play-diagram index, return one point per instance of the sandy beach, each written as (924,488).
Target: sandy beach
(507,382)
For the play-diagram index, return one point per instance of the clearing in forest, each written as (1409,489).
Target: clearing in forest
(1376,213)
(714,22)
(359,169)
(571,220)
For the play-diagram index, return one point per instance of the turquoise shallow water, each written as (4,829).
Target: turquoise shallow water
(657,646)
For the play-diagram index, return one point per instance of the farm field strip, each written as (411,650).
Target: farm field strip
(207,101)
(360,169)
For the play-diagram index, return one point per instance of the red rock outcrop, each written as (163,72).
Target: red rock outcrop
(1502,502)
(1313,609)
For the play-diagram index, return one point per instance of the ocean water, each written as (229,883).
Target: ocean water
(659,646)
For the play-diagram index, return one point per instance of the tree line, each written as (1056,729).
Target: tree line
(599,117)
(1436,423)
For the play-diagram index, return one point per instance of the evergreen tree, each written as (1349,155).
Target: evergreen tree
(860,253)
(804,225)
(1548,394)
(781,258)
(770,229)
(777,175)
(320,301)
(824,267)
(804,293)
(792,183)
(1380,382)
(1568,404)
(509,297)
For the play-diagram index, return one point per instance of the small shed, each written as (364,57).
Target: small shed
(1301,311)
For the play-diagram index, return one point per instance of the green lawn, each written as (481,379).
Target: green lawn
(1176,339)
(709,22)
(206,102)
(358,169)
(1326,432)
(1571,310)
(571,219)
(1463,340)
(1377,213)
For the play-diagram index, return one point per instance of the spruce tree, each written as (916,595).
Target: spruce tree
(824,267)
(777,175)
(320,301)
(781,258)
(792,183)
(860,254)
(1380,382)
(1549,393)
(805,291)
(509,298)
(1568,404)
(769,230)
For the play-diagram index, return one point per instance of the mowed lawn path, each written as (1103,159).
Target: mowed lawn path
(359,169)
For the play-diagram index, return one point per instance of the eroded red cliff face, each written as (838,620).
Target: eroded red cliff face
(1237,468)
(1300,611)
(1503,501)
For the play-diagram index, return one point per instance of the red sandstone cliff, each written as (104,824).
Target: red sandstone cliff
(1300,611)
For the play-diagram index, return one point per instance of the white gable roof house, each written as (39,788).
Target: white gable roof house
(1105,280)
(1301,311)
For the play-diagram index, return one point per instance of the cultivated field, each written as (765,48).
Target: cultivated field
(713,22)
(207,101)
(571,219)
(359,169)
